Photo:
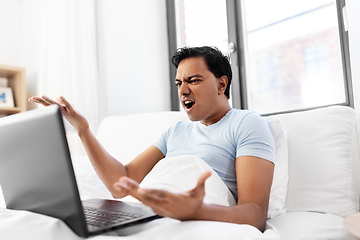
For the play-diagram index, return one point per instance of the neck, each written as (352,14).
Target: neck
(218,115)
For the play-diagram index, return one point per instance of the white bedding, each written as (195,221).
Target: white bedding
(27,225)
(305,225)
(310,226)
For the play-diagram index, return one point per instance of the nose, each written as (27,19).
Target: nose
(184,89)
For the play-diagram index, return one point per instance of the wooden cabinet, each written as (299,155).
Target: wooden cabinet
(16,81)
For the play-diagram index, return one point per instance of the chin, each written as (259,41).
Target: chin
(193,118)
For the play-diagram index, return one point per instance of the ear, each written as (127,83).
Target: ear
(222,84)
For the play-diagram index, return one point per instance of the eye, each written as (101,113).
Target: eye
(178,83)
(194,80)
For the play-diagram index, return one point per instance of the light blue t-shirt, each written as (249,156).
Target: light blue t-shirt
(238,133)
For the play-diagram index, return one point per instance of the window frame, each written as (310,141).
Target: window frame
(235,30)
(172,40)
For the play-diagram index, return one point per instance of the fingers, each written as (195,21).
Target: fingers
(154,196)
(44,100)
(62,100)
(202,179)
(51,102)
(199,190)
(128,186)
(180,205)
(39,100)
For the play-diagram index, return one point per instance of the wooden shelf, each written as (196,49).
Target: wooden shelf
(16,81)
(10,110)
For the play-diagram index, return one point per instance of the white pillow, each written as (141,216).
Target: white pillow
(181,173)
(310,225)
(89,184)
(323,161)
(281,176)
(125,137)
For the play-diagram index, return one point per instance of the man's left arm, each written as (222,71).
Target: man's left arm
(254,178)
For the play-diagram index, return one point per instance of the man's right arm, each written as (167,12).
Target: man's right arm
(107,167)
(110,170)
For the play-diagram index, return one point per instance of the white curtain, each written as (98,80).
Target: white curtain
(68,56)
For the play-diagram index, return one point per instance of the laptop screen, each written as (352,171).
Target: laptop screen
(36,173)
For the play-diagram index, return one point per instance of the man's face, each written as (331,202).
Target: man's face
(198,90)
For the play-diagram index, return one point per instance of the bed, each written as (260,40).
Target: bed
(316,181)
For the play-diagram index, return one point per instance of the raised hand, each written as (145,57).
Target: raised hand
(76,119)
(182,206)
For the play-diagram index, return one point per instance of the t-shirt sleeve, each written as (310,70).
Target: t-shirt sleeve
(161,142)
(255,138)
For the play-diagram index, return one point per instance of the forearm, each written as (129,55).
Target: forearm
(107,167)
(249,213)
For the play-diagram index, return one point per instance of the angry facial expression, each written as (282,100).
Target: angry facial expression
(200,92)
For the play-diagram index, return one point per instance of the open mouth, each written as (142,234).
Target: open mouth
(188,104)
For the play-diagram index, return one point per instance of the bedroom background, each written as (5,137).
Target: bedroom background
(131,73)
(126,72)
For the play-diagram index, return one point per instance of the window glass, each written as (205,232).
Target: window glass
(202,23)
(292,52)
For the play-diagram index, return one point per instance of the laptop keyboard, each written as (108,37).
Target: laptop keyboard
(99,218)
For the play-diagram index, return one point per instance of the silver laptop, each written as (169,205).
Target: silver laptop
(36,174)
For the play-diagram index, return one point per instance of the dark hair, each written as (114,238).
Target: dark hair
(217,62)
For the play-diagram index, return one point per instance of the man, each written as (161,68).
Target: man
(237,144)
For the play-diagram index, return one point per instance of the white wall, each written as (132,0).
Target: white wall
(132,48)
(19,21)
(133,54)
(30,44)
(10,34)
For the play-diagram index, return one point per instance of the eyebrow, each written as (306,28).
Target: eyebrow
(189,78)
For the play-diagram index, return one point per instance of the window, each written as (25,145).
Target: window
(293,54)
(206,27)
(266,74)
(197,23)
